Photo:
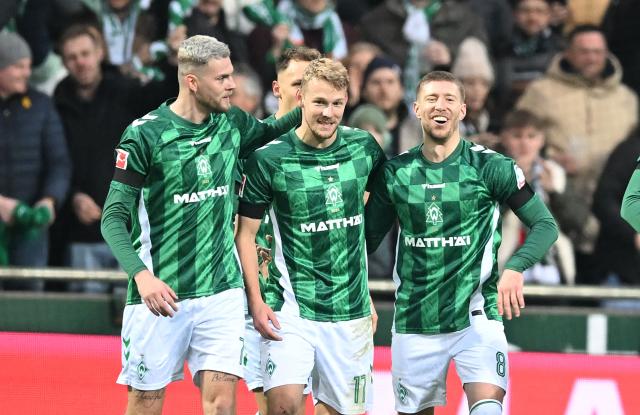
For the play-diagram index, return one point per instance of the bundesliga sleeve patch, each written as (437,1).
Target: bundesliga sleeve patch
(244,182)
(519,176)
(121,159)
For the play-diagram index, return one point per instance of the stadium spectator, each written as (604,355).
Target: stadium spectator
(528,54)
(623,37)
(421,35)
(450,299)
(618,244)
(96,98)
(174,170)
(589,112)
(34,163)
(248,93)
(473,67)
(312,23)
(522,138)
(206,17)
(316,294)
(382,87)
(498,21)
(360,54)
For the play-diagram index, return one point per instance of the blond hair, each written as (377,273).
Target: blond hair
(327,70)
(198,50)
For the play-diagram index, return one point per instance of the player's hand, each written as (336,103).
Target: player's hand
(7,206)
(262,315)
(374,317)
(510,296)
(86,208)
(48,203)
(157,295)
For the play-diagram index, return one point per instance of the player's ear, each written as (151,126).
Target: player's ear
(299,97)
(275,87)
(463,111)
(416,109)
(192,82)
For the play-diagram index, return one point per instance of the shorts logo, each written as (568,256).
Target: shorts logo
(271,367)
(125,343)
(434,214)
(401,392)
(121,159)
(141,368)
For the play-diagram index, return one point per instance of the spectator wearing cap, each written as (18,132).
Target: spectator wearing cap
(34,163)
(382,87)
(473,68)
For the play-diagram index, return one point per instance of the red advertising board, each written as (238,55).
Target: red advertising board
(73,374)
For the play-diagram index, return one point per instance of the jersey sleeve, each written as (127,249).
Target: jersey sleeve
(380,213)
(255,133)
(255,191)
(630,210)
(378,161)
(503,178)
(133,158)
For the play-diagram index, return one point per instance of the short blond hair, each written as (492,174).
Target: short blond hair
(198,50)
(327,70)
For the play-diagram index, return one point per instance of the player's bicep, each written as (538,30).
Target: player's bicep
(133,158)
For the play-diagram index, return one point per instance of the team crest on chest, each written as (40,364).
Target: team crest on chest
(434,214)
(333,195)
(203,167)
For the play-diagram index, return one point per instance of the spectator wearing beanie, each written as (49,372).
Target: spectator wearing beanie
(473,68)
(382,87)
(34,163)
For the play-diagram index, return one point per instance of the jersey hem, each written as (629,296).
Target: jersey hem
(187,296)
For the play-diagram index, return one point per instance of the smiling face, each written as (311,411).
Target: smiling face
(439,107)
(322,108)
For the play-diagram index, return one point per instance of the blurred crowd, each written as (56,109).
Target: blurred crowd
(551,83)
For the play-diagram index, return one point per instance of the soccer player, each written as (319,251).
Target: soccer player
(174,170)
(289,68)
(446,194)
(631,201)
(318,318)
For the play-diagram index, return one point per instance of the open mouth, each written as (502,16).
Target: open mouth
(441,120)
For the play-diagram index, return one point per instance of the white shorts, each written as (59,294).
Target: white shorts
(252,368)
(207,332)
(338,357)
(420,362)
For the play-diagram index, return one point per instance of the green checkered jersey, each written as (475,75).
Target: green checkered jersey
(449,217)
(315,201)
(183,226)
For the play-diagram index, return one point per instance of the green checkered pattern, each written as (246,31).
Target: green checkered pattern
(183,226)
(317,211)
(449,233)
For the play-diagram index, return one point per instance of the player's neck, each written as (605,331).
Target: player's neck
(437,151)
(188,109)
(307,136)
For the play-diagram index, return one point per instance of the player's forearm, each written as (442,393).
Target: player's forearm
(246,245)
(630,210)
(115,216)
(281,126)
(543,233)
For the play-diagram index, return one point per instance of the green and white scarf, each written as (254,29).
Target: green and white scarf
(416,32)
(334,41)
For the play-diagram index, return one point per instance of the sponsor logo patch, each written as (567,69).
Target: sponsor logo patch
(121,158)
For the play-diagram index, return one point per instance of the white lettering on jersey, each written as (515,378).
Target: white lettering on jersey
(331,224)
(418,242)
(200,196)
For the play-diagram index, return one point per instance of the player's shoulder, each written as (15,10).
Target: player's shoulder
(351,135)
(274,149)
(404,159)
(152,124)
(479,156)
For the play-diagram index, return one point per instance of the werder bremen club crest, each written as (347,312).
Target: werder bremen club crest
(434,214)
